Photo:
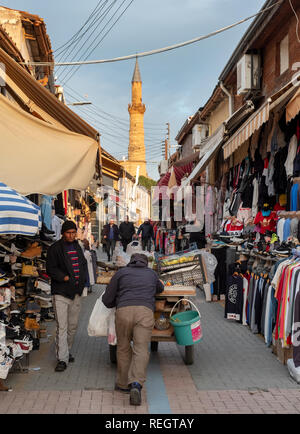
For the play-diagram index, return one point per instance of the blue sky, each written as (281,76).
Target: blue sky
(175,83)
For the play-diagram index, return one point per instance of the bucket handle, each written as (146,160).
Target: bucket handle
(189,301)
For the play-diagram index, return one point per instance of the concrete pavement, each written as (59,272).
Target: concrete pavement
(234,372)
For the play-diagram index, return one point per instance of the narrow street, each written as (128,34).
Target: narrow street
(233,372)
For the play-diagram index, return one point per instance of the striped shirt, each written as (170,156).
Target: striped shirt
(73,255)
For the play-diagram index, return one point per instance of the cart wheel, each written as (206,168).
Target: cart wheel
(113,353)
(154,346)
(189,355)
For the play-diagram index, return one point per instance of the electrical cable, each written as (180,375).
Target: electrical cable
(97,21)
(157,51)
(78,32)
(97,45)
(297,19)
(115,119)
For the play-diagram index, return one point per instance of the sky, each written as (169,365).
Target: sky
(175,83)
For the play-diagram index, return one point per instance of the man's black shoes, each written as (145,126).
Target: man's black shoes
(135,394)
(61,366)
(71,359)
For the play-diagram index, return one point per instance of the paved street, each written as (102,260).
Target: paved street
(233,372)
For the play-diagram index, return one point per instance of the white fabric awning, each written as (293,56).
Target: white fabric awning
(212,145)
(37,157)
(249,127)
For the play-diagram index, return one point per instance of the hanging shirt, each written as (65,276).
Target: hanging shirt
(289,163)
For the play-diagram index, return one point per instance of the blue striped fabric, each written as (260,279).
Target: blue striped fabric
(18,215)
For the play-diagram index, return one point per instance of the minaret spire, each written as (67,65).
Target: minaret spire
(136,74)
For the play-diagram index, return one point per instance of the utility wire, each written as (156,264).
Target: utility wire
(67,51)
(99,42)
(97,21)
(98,110)
(81,28)
(157,51)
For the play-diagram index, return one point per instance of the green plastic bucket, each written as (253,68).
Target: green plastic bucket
(187,326)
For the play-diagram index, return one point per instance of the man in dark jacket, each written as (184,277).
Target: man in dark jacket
(126,230)
(111,236)
(132,291)
(147,234)
(67,267)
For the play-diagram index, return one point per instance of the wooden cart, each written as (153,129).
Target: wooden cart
(164,304)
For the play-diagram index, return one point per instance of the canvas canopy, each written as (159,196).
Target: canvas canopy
(37,157)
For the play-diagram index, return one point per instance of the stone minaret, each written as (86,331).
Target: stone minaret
(136,149)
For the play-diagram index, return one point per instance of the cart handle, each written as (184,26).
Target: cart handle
(185,299)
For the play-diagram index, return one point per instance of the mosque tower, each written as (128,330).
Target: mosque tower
(136,149)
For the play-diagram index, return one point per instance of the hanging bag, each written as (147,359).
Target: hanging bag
(98,322)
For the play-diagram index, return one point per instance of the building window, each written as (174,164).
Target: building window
(284,55)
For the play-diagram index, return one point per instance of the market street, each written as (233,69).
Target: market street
(233,372)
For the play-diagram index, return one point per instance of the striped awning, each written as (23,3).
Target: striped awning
(18,215)
(245,132)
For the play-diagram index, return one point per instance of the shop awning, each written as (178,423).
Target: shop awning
(293,107)
(213,145)
(248,128)
(37,157)
(18,215)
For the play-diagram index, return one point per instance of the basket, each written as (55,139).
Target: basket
(105,277)
(187,277)
(187,325)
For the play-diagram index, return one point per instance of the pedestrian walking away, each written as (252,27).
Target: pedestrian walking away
(67,267)
(111,236)
(132,291)
(146,229)
(127,231)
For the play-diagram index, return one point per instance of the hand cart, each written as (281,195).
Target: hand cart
(164,304)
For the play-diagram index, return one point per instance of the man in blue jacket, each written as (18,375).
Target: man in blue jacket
(132,291)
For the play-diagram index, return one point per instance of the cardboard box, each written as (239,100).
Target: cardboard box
(283,354)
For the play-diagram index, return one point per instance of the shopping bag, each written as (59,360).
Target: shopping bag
(98,322)
(134,247)
(112,337)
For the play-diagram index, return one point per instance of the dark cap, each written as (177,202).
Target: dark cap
(69,224)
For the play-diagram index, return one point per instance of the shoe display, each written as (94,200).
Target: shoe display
(32,306)
(34,251)
(31,324)
(29,270)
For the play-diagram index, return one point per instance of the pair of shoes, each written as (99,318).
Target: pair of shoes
(135,394)
(71,358)
(120,389)
(61,366)
(34,251)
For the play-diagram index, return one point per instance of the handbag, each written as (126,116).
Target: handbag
(98,322)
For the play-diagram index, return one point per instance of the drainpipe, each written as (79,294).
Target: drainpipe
(229,96)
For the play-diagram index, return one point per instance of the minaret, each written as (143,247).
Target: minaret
(136,149)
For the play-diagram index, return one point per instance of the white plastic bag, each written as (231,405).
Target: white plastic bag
(134,247)
(98,323)
(112,337)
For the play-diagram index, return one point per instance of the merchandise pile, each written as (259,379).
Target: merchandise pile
(25,296)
